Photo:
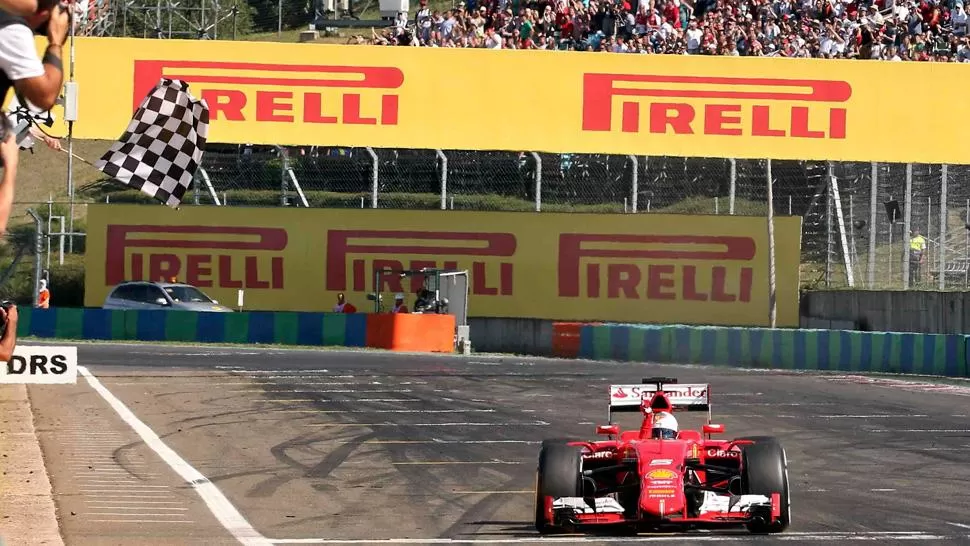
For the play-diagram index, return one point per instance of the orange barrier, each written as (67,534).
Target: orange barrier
(565,338)
(411,332)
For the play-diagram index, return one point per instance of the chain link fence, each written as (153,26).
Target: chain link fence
(858,218)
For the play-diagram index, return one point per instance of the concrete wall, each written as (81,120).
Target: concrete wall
(888,311)
(511,335)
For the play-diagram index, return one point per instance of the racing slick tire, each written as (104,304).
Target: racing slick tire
(761,439)
(764,471)
(559,475)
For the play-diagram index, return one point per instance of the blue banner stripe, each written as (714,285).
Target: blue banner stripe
(96,324)
(309,329)
(211,327)
(955,356)
(653,339)
(778,348)
(906,353)
(929,354)
(261,328)
(822,350)
(845,350)
(586,342)
(356,332)
(681,344)
(754,347)
(150,325)
(799,349)
(709,346)
(620,343)
(43,323)
(734,347)
(865,352)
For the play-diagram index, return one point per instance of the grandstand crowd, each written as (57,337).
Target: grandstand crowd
(896,30)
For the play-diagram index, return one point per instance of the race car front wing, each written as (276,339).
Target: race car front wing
(716,511)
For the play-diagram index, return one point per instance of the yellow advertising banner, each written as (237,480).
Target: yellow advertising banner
(593,267)
(401,97)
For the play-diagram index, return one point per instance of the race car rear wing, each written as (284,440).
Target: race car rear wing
(682,397)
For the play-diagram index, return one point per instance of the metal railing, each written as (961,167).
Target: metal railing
(857,217)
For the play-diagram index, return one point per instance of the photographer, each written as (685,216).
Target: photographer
(39,81)
(19,7)
(8,325)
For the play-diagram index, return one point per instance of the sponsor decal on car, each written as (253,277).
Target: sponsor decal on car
(598,455)
(722,454)
(661,493)
(658,462)
(662,474)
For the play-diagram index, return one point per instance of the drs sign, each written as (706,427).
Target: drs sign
(41,365)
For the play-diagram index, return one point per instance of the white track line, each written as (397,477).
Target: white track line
(218,504)
(820,536)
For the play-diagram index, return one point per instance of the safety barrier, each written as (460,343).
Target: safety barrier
(425,333)
(792,349)
(285,328)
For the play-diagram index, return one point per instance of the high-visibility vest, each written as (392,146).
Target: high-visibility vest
(917,243)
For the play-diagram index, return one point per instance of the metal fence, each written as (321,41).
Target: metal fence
(848,235)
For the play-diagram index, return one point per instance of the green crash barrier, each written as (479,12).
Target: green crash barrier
(286,328)
(791,349)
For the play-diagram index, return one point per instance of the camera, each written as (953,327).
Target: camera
(5,305)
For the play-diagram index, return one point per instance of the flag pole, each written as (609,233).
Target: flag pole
(70,142)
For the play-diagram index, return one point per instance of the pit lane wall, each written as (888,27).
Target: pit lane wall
(787,349)
(430,333)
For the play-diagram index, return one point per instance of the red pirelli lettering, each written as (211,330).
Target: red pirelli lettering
(732,106)
(129,249)
(294,84)
(352,250)
(633,279)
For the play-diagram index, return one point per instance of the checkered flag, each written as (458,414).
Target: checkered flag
(162,147)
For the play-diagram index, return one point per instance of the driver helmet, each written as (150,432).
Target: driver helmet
(664,426)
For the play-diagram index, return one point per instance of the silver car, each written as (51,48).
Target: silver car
(161,295)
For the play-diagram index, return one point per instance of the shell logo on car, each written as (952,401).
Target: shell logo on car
(661,474)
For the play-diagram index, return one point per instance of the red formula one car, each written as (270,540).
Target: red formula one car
(658,479)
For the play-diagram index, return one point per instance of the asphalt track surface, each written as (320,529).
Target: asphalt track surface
(318,447)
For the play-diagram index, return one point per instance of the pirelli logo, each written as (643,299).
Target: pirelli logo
(283,93)
(717,106)
(353,257)
(656,267)
(203,256)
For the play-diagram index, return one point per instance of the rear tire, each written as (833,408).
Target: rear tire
(559,475)
(764,472)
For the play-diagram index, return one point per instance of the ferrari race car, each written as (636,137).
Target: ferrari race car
(641,481)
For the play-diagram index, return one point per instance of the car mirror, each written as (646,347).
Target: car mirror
(161,301)
(713,429)
(608,430)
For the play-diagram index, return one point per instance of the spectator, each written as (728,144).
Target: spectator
(44,295)
(893,30)
(343,306)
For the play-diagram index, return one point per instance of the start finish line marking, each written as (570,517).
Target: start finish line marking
(572,539)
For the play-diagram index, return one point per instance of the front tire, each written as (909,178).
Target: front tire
(559,474)
(764,471)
